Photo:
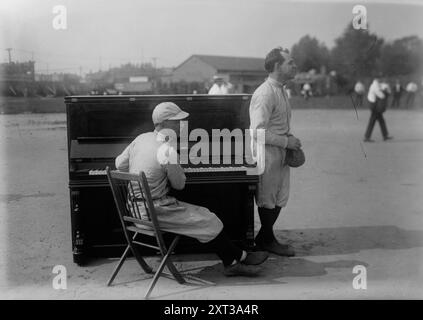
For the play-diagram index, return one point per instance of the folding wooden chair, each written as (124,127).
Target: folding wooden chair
(122,185)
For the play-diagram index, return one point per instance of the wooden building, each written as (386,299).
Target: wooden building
(196,73)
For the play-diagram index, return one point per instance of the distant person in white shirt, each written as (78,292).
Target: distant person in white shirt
(359,91)
(220,86)
(306,91)
(411,93)
(377,101)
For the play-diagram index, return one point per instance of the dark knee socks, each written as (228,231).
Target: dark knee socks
(226,250)
(268,218)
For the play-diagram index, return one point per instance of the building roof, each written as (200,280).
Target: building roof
(225,63)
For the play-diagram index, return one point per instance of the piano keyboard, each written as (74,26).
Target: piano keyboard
(215,169)
(99,172)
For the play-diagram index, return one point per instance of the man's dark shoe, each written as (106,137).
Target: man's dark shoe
(388,138)
(275,247)
(368,140)
(242,270)
(255,258)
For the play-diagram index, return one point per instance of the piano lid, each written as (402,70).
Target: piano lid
(156,98)
(105,116)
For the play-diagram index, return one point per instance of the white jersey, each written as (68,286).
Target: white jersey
(411,87)
(375,91)
(223,89)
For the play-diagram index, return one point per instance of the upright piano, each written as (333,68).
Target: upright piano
(100,127)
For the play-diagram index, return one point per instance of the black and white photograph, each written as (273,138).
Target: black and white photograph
(225,150)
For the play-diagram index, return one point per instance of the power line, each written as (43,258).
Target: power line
(154,61)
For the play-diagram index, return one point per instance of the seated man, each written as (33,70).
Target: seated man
(150,153)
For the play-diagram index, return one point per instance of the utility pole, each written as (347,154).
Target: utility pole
(154,62)
(155,73)
(10,55)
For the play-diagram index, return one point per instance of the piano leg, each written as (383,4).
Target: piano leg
(78,243)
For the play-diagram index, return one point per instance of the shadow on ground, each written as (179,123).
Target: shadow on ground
(276,269)
(346,240)
(322,242)
(310,242)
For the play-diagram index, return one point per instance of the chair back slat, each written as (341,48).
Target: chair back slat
(133,202)
(152,210)
(144,203)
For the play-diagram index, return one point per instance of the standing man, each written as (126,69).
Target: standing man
(359,93)
(377,100)
(306,91)
(220,86)
(270,110)
(397,92)
(411,93)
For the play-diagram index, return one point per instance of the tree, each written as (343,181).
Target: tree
(356,53)
(402,57)
(309,53)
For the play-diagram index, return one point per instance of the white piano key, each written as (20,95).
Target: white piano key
(214,169)
(97,172)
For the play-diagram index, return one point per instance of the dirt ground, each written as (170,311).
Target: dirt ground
(351,204)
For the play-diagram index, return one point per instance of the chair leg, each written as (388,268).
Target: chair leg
(141,261)
(170,264)
(119,265)
(171,267)
(139,258)
(155,278)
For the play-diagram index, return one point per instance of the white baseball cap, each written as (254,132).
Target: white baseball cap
(168,111)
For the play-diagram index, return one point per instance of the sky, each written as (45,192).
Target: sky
(102,34)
